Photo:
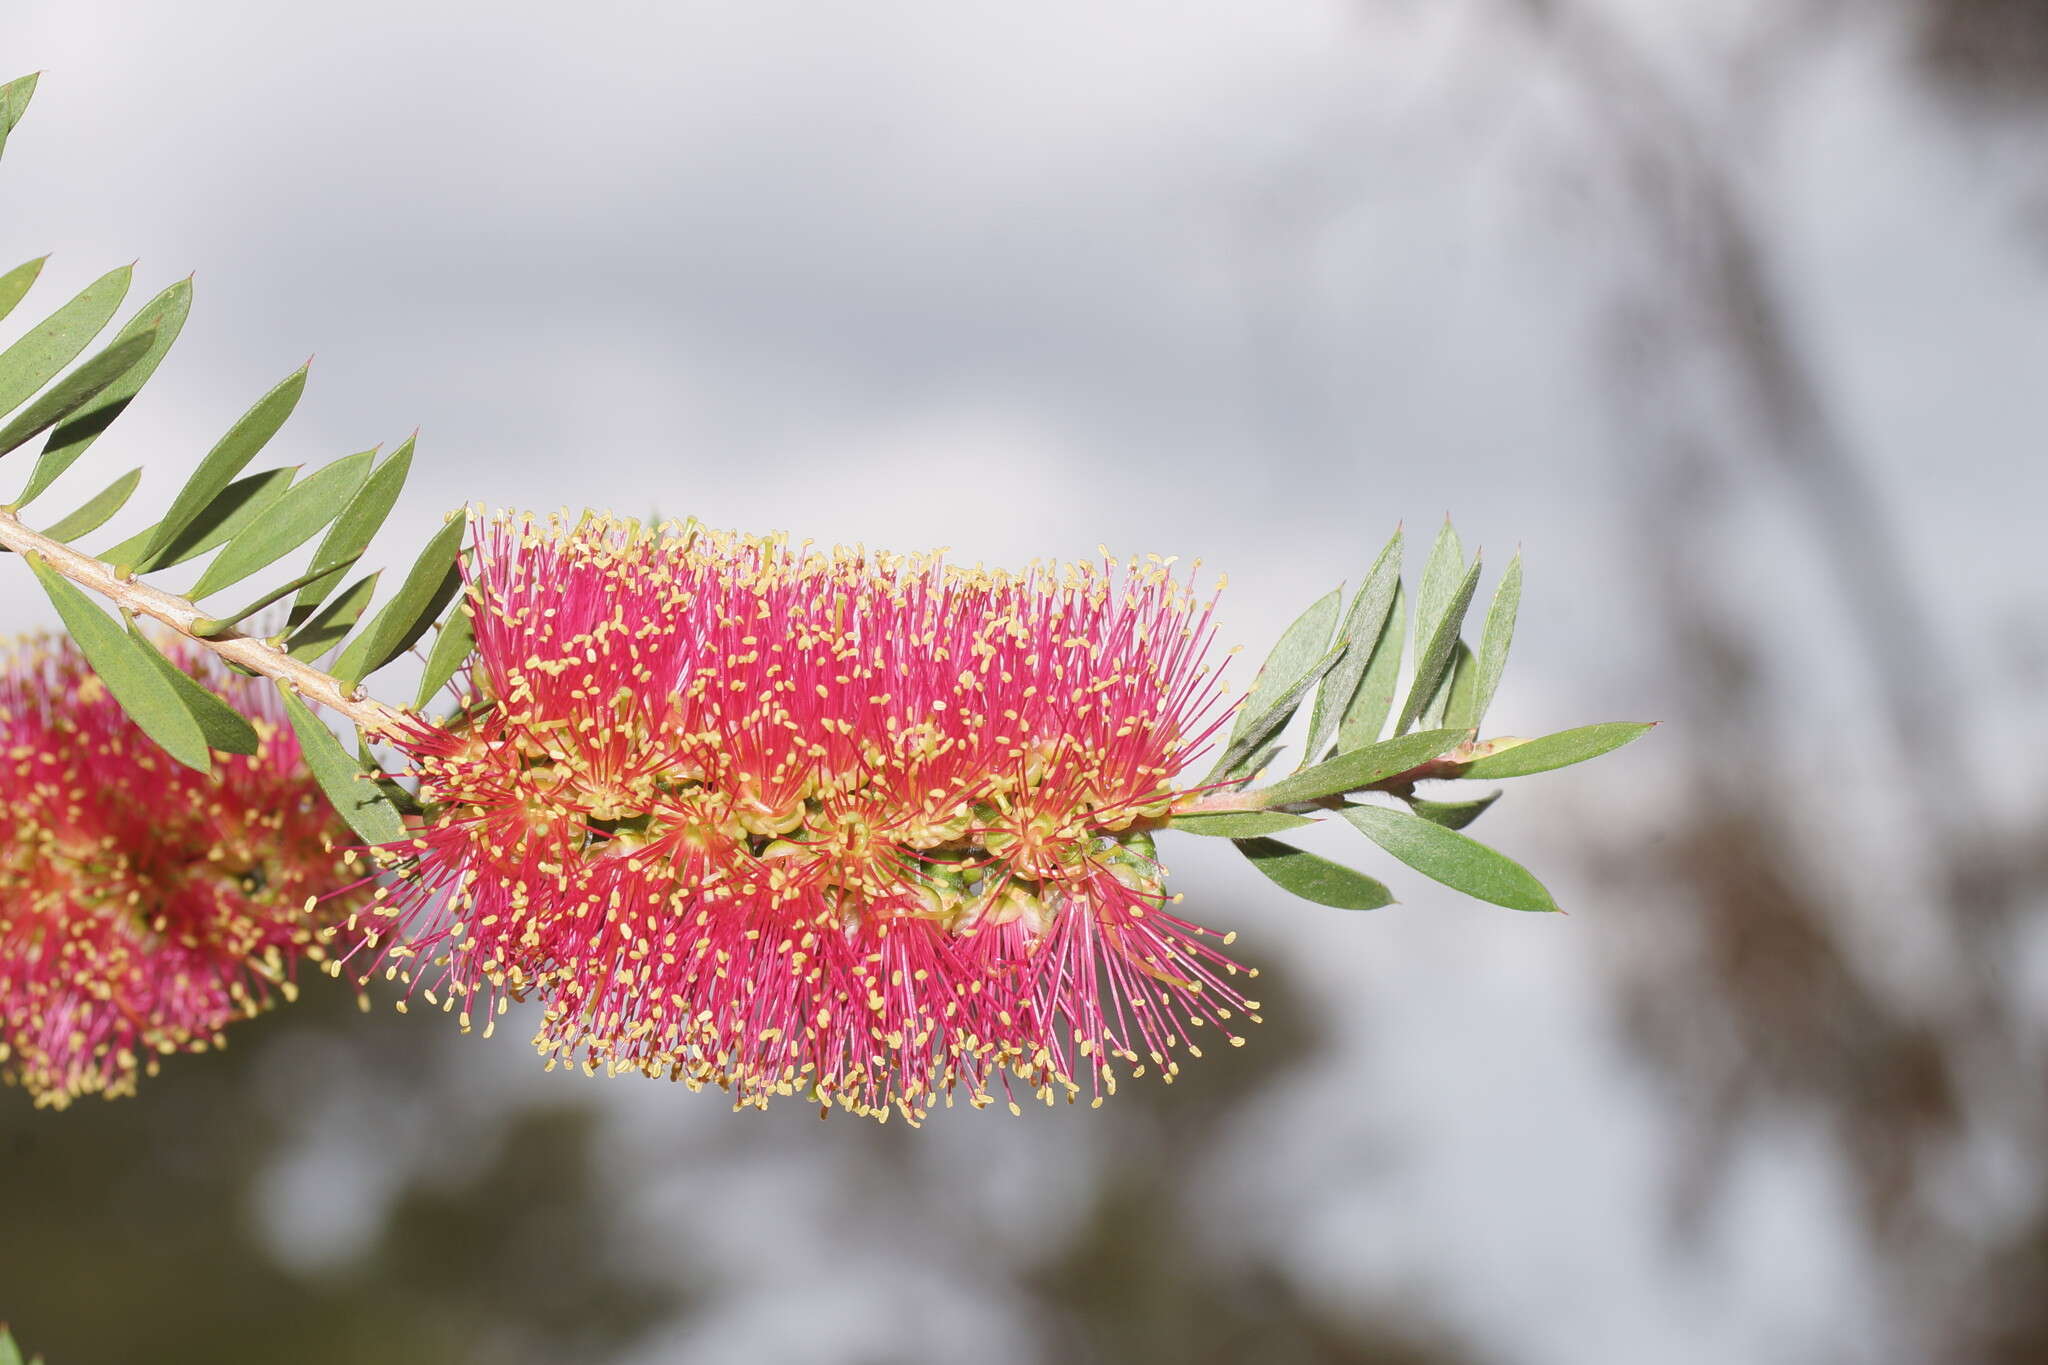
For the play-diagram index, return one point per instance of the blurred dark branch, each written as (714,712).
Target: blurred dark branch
(1702,234)
(1753,993)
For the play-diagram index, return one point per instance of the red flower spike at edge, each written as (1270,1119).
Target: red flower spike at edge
(143,905)
(863,828)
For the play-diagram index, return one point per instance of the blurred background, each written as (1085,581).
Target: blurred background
(1733,315)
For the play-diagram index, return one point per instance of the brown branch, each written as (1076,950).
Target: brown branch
(250,652)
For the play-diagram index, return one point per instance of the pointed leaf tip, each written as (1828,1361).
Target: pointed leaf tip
(1449,857)
(1313,878)
(164,317)
(433,580)
(292,520)
(1363,627)
(229,457)
(1438,638)
(353,793)
(34,359)
(1559,750)
(1301,657)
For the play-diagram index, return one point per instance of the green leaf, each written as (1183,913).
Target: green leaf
(433,579)
(354,795)
(163,315)
(93,513)
(1449,857)
(55,342)
(229,457)
(1248,769)
(1435,659)
(1300,646)
(1255,748)
(1362,628)
(403,801)
(1314,879)
(1460,692)
(1451,814)
(1301,657)
(150,701)
(74,391)
(1360,768)
(10,1354)
(1440,576)
(220,521)
(289,523)
(14,98)
(1560,750)
(213,626)
(353,530)
(1373,702)
(1238,824)
(452,648)
(335,621)
(16,283)
(225,728)
(1498,635)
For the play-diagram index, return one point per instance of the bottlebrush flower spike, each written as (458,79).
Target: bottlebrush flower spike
(863,828)
(143,905)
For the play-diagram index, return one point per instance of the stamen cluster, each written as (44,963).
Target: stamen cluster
(866,828)
(143,905)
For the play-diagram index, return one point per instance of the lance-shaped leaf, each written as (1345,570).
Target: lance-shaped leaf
(1441,573)
(1373,702)
(229,457)
(452,648)
(1560,750)
(433,579)
(1459,692)
(55,342)
(352,531)
(15,284)
(288,523)
(93,513)
(1254,749)
(10,1354)
(74,391)
(1301,657)
(1440,644)
(335,620)
(150,700)
(163,315)
(364,808)
(403,801)
(1360,768)
(14,98)
(214,626)
(1452,814)
(237,507)
(1314,879)
(1236,824)
(1495,639)
(225,728)
(1363,626)
(1449,857)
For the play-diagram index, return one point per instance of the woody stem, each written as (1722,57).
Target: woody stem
(179,614)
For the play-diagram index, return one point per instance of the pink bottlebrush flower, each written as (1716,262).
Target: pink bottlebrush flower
(143,905)
(864,828)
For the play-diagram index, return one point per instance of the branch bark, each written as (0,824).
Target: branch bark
(257,655)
